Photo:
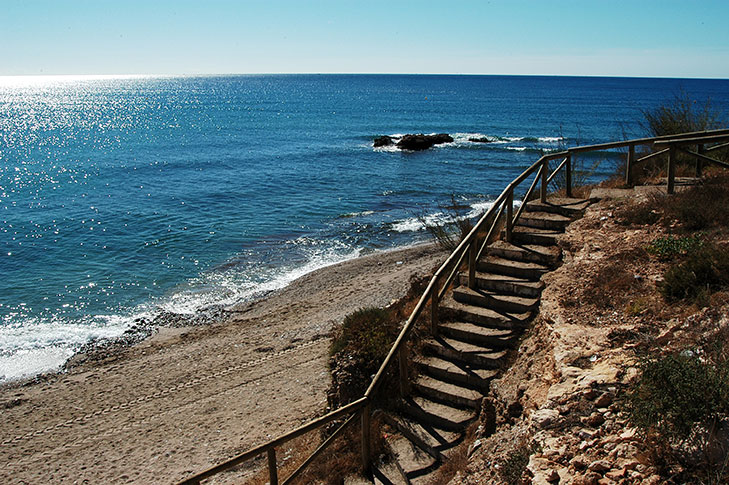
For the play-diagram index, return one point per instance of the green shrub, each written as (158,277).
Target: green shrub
(700,207)
(677,392)
(453,225)
(668,248)
(681,115)
(368,333)
(638,214)
(702,272)
(513,467)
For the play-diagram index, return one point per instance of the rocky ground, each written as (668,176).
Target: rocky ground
(558,414)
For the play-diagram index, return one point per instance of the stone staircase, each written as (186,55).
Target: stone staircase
(476,329)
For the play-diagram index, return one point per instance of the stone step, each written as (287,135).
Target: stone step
(508,285)
(436,414)
(544,220)
(413,461)
(457,350)
(435,439)
(448,393)
(531,253)
(478,335)
(451,309)
(388,473)
(457,373)
(495,301)
(507,267)
(531,235)
(569,207)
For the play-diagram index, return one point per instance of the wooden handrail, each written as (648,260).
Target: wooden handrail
(692,140)
(316,423)
(454,261)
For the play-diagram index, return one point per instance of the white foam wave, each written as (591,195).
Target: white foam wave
(550,139)
(227,288)
(34,347)
(516,149)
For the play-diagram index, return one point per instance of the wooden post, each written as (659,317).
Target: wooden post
(403,363)
(671,175)
(272,468)
(472,250)
(434,308)
(366,468)
(568,175)
(629,166)
(544,183)
(509,214)
(699,162)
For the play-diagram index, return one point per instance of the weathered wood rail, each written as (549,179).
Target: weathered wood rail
(500,216)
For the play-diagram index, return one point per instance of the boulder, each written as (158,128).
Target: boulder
(423,142)
(383,141)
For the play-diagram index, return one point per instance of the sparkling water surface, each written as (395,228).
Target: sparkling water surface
(121,197)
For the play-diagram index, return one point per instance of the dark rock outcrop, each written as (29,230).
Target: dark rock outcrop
(422,142)
(482,139)
(383,141)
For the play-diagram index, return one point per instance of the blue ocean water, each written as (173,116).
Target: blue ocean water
(126,196)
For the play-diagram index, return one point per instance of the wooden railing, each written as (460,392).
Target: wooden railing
(468,252)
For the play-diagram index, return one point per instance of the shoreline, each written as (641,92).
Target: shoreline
(165,320)
(188,397)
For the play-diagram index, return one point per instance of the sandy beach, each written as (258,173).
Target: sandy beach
(187,398)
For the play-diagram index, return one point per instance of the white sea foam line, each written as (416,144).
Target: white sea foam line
(34,347)
(189,302)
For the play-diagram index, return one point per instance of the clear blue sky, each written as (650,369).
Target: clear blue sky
(616,38)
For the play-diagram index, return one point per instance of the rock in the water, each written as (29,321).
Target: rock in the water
(423,142)
(482,139)
(383,141)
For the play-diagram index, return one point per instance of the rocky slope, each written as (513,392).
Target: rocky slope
(558,414)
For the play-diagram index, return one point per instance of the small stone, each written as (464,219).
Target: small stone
(605,400)
(615,474)
(628,434)
(476,445)
(545,418)
(579,462)
(631,465)
(551,476)
(594,420)
(590,394)
(599,466)
(586,434)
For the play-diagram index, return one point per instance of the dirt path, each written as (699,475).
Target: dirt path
(188,398)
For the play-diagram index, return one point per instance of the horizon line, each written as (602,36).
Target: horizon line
(127,75)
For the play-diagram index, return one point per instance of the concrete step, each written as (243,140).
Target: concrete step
(436,414)
(535,236)
(460,351)
(389,473)
(457,373)
(569,207)
(495,301)
(413,461)
(530,253)
(544,220)
(507,285)
(451,309)
(448,393)
(428,436)
(507,267)
(478,335)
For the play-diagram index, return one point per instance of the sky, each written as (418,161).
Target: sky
(645,38)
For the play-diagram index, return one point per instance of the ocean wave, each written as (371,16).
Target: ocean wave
(416,224)
(32,346)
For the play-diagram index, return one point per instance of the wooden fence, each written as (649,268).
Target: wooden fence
(500,216)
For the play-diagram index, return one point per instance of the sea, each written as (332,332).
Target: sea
(126,197)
